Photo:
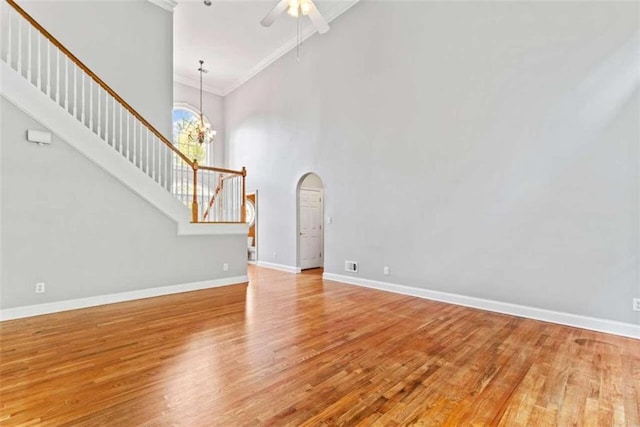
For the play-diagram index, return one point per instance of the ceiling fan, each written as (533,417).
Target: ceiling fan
(296,8)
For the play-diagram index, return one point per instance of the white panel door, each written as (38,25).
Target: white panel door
(311,239)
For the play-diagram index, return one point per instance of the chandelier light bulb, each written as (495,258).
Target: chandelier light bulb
(305,7)
(294,6)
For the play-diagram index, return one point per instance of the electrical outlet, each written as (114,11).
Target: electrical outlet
(40,288)
(351,266)
(636,304)
(225,267)
(385,271)
(275,255)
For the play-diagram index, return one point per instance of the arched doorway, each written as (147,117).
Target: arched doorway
(310,229)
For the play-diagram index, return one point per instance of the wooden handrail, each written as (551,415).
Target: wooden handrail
(98,80)
(214,169)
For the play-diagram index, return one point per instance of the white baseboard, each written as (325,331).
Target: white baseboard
(281,267)
(601,325)
(74,304)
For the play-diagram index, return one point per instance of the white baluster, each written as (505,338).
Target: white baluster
(143,155)
(106,117)
(66,84)
(58,76)
(156,162)
(149,153)
(9,38)
(91,103)
(28,54)
(135,142)
(98,116)
(128,137)
(133,139)
(75,91)
(157,145)
(113,129)
(122,151)
(157,159)
(141,159)
(152,156)
(83,102)
(179,179)
(39,63)
(163,152)
(147,158)
(19,52)
(203,193)
(210,192)
(160,173)
(48,68)
(186,176)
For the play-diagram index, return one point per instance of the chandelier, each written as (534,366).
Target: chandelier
(201,132)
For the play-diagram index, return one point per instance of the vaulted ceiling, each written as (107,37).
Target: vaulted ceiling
(228,36)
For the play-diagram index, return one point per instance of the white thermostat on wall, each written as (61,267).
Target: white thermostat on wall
(39,136)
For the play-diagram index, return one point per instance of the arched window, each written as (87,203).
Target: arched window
(186,120)
(185,124)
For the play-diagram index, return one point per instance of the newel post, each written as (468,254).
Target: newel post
(243,208)
(194,204)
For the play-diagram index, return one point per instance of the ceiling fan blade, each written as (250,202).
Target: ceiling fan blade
(271,16)
(317,20)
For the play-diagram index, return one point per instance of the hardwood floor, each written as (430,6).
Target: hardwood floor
(294,350)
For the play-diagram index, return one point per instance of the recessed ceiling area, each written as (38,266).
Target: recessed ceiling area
(229,38)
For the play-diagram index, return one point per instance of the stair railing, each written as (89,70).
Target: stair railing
(212,200)
(29,49)
(218,208)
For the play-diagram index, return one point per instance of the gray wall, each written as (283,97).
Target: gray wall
(488,149)
(129,44)
(68,223)
(213,109)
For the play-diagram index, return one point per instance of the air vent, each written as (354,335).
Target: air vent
(351,266)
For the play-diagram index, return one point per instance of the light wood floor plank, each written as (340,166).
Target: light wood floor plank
(296,350)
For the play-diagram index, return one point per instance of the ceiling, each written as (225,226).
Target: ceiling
(228,37)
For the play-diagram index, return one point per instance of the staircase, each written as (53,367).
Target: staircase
(44,79)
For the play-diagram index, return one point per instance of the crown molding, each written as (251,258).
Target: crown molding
(291,44)
(168,5)
(196,85)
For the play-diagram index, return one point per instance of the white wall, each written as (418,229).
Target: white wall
(128,44)
(68,223)
(213,109)
(487,149)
